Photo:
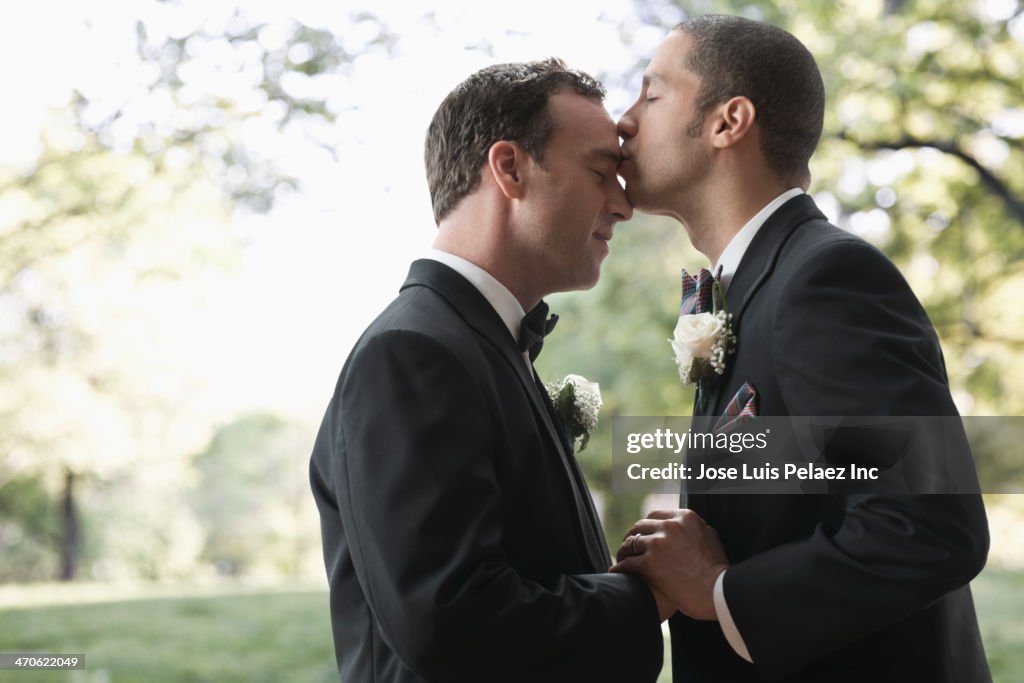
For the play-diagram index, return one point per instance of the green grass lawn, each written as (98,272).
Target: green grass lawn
(273,636)
(999,599)
(281,635)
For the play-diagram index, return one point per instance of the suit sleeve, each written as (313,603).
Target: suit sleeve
(420,502)
(850,339)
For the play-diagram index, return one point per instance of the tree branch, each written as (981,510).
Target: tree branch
(967,330)
(1014,204)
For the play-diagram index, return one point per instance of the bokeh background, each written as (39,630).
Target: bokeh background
(202,204)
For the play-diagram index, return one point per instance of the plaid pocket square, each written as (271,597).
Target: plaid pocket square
(742,407)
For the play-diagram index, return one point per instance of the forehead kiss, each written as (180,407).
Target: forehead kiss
(588,130)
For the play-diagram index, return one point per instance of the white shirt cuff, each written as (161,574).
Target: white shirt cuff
(732,634)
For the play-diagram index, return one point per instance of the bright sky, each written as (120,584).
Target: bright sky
(321,266)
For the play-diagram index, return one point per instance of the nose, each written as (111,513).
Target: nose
(627,124)
(618,204)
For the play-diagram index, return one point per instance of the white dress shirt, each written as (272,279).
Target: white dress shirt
(504,303)
(733,252)
(729,261)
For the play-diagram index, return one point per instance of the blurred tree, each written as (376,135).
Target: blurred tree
(131,190)
(253,496)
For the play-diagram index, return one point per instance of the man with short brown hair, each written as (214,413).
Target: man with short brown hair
(460,540)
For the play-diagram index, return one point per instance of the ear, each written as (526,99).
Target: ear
(733,121)
(506,162)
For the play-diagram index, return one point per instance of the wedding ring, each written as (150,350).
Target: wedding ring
(632,544)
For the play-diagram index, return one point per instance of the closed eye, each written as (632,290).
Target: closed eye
(600,176)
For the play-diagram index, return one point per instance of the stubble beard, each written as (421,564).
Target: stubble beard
(645,199)
(639,197)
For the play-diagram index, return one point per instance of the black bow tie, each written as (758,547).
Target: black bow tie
(535,326)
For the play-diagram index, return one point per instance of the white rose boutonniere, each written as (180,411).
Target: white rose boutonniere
(577,401)
(701,342)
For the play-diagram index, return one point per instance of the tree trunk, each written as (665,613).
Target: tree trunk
(69,524)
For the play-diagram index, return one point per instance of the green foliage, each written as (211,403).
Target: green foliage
(252,495)
(29,531)
(994,443)
(998,599)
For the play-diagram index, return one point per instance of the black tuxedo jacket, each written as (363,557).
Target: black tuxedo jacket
(836,587)
(459,537)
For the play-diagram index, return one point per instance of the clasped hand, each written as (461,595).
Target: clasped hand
(679,556)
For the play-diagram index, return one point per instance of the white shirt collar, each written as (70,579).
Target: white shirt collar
(501,300)
(731,256)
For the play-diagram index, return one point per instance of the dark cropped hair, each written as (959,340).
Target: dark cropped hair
(735,56)
(501,102)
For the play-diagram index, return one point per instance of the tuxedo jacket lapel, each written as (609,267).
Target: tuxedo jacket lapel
(754,269)
(479,315)
(482,317)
